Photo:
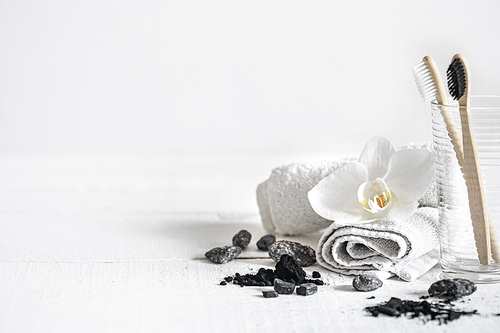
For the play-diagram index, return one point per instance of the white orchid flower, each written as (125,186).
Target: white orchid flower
(383,183)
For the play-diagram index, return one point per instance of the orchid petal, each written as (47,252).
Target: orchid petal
(376,156)
(400,212)
(410,174)
(335,196)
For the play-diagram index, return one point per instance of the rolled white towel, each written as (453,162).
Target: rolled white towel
(383,248)
(283,203)
(282,199)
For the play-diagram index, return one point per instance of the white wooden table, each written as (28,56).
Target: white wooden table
(116,244)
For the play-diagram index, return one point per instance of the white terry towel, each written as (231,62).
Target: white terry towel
(283,203)
(282,199)
(383,248)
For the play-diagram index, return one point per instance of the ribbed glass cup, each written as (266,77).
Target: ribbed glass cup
(459,257)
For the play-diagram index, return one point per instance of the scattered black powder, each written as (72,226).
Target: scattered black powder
(441,311)
(371,297)
(287,269)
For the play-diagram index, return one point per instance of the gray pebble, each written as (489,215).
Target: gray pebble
(365,282)
(222,255)
(269,294)
(454,288)
(307,289)
(282,287)
(304,254)
(265,241)
(242,239)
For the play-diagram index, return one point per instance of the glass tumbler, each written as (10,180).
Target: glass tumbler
(459,257)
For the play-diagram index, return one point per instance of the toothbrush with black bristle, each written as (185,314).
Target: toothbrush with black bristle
(459,87)
(430,86)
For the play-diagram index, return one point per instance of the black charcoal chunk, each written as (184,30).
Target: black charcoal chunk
(288,269)
(270,294)
(304,254)
(283,287)
(223,283)
(366,282)
(265,241)
(307,289)
(222,255)
(242,239)
(316,275)
(452,288)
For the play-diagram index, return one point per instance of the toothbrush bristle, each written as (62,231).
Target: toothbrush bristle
(456,79)
(425,81)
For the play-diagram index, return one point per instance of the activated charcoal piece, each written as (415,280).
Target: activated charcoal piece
(365,282)
(270,294)
(442,311)
(283,287)
(288,269)
(242,239)
(316,275)
(307,289)
(265,241)
(222,255)
(452,288)
(304,254)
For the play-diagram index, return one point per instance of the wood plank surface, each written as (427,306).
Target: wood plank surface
(117,245)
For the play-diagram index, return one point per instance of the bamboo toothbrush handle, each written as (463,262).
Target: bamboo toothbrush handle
(475,189)
(495,246)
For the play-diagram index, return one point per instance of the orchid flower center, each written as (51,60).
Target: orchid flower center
(374,195)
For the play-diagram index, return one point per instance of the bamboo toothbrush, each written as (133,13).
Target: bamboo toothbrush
(459,86)
(430,86)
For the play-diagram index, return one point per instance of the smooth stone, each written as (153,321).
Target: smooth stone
(454,288)
(307,289)
(282,287)
(265,241)
(242,239)
(304,254)
(365,282)
(222,255)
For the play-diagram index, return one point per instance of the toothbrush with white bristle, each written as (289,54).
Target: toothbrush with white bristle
(430,86)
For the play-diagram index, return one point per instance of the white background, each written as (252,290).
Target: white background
(229,77)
